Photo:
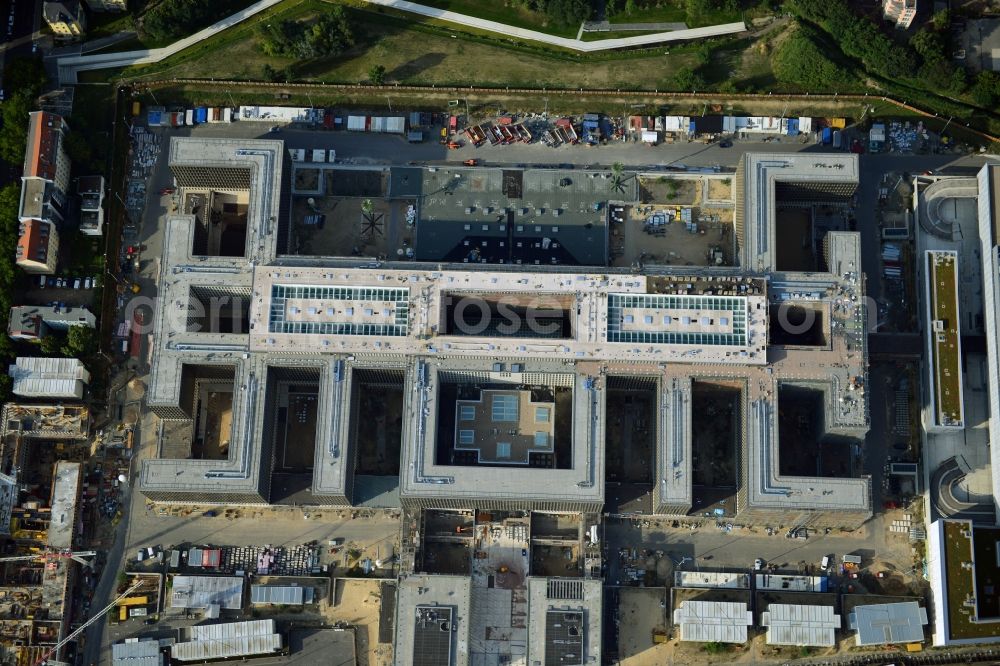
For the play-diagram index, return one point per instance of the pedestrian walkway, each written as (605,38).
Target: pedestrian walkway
(561,42)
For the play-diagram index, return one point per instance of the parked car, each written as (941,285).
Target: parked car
(77,283)
(725,143)
(41,281)
(758,564)
(87,283)
(60,282)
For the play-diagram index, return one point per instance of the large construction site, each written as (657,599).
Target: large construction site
(41,520)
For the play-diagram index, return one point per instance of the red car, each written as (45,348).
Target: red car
(167,190)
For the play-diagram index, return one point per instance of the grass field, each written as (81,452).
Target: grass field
(941,271)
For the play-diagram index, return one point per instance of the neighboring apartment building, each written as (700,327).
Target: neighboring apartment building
(66,18)
(91,191)
(37,247)
(900,12)
(45,176)
(107,5)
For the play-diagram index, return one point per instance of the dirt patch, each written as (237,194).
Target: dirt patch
(219,426)
(710,243)
(720,189)
(639,616)
(666,190)
(358,602)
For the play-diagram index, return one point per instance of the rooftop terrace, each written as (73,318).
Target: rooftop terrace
(945,338)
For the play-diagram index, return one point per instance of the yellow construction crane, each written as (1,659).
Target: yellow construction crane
(79,630)
(78,555)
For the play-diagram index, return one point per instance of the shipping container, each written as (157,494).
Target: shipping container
(836,139)
(827,136)
(227,115)
(201,114)
(136,109)
(189,117)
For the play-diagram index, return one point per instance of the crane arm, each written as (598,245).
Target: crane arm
(79,630)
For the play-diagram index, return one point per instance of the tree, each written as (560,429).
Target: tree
(376,74)
(986,90)
(81,342)
(565,12)
(801,61)
(630,7)
(941,20)
(271,74)
(332,34)
(695,10)
(617,173)
(51,344)
(928,44)
(14,131)
(687,80)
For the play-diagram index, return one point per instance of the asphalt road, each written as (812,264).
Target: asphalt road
(711,549)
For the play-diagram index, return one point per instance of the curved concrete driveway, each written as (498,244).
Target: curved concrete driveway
(935,195)
(70,65)
(562,42)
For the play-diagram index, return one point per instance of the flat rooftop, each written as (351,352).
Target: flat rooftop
(65,498)
(564,621)
(798,624)
(757,201)
(945,338)
(713,621)
(516,216)
(423,603)
(504,426)
(611,318)
(962,583)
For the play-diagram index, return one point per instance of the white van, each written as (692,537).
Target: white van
(825,564)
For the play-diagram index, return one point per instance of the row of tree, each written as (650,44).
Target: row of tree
(858,37)
(800,60)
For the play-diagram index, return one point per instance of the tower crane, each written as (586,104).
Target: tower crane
(94,618)
(78,555)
